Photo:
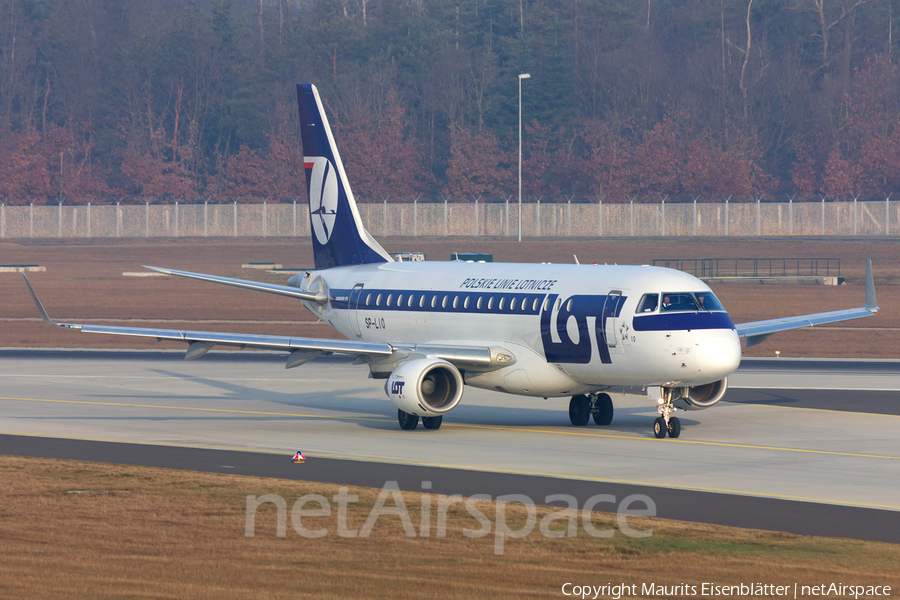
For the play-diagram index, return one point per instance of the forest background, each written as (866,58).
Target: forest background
(194,100)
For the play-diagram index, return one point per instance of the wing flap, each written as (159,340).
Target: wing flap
(244,340)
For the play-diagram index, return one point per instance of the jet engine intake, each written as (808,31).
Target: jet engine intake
(700,396)
(427,387)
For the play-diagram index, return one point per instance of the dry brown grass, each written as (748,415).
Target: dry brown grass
(85,282)
(175,534)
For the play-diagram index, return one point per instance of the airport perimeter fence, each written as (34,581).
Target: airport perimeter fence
(498,219)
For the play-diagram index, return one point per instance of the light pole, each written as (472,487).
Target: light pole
(521,77)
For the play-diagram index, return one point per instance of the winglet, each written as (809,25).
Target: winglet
(40,306)
(870,305)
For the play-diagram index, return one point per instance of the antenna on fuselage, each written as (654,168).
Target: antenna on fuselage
(576,259)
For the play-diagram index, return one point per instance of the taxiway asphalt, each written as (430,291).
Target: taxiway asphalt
(802,446)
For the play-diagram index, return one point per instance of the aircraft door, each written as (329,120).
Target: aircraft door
(352,305)
(610,324)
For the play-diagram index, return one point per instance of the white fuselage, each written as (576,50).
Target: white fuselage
(571,328)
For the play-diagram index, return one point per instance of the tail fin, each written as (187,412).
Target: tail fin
(338,235)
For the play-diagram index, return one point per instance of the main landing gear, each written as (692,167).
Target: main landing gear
(409,421)
(666,423)
(582,407)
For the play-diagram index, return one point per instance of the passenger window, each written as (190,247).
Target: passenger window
(558,303)
(490,303)
(466,303)
(512,304)
(569,305)
(399,300)
(546,302)
(502,300)
(534,304)
(444,302)
(368,298)
(648,303)
(479,303)
(422,301)
(434,301)
(455,301)
(389,299)
(378,300)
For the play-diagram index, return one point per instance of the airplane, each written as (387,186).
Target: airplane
(431,328)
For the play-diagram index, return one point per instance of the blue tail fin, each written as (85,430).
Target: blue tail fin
(338,235)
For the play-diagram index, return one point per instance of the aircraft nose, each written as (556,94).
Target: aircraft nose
(720,355)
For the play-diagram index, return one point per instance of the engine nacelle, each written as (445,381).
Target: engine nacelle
(701,396)
(427,387)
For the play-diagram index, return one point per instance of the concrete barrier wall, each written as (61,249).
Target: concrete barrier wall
(808,219)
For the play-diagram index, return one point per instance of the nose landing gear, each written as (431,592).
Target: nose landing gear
(666,423)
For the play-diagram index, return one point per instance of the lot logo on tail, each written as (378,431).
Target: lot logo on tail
(323,197)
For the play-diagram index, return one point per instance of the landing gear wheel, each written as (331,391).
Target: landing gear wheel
(435,422)
(603,409)
(674,427)
(407,420)
(579,410)
(659,427)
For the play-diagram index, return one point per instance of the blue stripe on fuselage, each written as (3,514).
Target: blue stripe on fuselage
(684,321)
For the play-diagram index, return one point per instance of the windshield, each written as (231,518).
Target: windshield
(708,301)
(689,302)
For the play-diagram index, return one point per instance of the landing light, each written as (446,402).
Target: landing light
(660,401)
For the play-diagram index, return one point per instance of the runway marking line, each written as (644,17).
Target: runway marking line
(464,426)
(481,469)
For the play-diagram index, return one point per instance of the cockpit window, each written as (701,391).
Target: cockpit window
(678,302)
(689,302)
(708,301)
(648,303)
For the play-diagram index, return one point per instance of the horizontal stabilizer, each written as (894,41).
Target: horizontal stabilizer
(256,286)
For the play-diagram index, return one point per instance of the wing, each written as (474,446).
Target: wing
(302,350)
(758,331)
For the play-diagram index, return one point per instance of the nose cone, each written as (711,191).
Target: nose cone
(719,356)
